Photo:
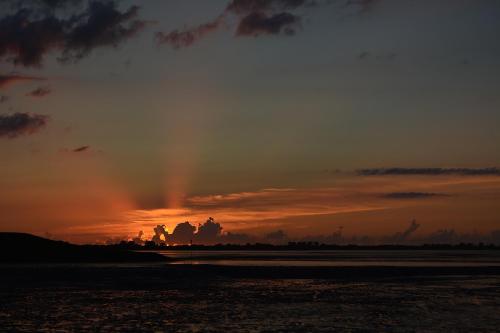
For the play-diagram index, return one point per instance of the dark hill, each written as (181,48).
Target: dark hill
(20,247)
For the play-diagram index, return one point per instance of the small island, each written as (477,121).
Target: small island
(27,248)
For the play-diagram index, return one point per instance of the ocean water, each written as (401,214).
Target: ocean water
(259,305)
(180,297)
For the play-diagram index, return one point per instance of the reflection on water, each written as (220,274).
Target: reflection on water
(241,305)
(337,258)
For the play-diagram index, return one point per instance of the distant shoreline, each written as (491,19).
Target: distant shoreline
(309,247)
(26,248)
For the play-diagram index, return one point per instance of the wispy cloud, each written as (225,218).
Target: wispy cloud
(412,195)
(7,80)
(81,149)
(492,171)
(252,17)
(257,24)
(187,37)
(39,92)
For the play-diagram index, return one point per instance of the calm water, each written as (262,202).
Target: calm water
(153,299)
(158,297)
(337,258)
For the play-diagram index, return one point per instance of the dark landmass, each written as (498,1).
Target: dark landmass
(300,246)
(24,248)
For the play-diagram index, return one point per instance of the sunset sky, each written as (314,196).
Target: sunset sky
(298,115)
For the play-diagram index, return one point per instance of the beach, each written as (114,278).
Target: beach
(159,297)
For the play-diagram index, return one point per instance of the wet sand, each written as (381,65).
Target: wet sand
(198,298)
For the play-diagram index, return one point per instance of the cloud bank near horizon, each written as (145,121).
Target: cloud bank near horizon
(211,233)
(490,171)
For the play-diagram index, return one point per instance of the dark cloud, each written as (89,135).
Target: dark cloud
(102,25)
(19,124)
(244,7)
(409,237)
(362,6)
(39,92)
(185,38)
(6,80)
(26,38)
(81,149)
(78,150)
(183,233)
(412,195)
(51,4)
(209,232)
(58,3)
(429,172)
(451,236)
(401,237)
(161,234)
(256,24)
(253,18)
(237,238)
(138,239)
(28,34)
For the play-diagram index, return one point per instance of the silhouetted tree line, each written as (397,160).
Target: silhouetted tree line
(300,246)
